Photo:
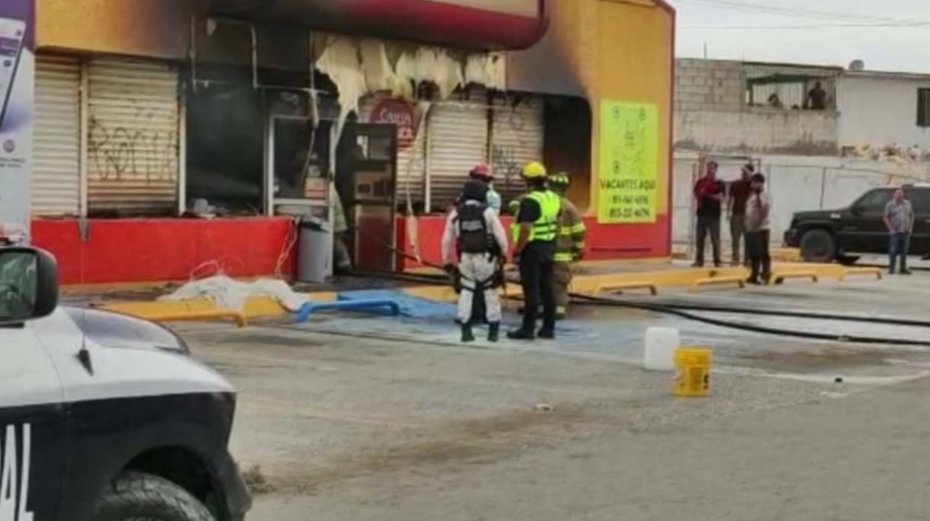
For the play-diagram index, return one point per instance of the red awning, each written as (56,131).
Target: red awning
(466,24)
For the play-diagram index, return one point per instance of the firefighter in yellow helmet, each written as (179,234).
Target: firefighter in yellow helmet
(537,221)
(570,243)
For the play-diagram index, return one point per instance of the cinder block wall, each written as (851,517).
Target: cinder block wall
(709,85)
(711,115)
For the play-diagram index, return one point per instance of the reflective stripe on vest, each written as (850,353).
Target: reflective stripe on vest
(546,227)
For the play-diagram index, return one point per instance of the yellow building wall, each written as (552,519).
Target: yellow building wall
(635,62)
(152,28)
(619,50)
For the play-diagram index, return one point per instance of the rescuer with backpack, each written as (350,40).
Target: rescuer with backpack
(474,230)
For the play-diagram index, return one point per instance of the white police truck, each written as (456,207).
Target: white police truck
(105,417)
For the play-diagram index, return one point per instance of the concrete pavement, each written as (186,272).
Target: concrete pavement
(383,418)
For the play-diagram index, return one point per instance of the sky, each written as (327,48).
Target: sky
(891,35)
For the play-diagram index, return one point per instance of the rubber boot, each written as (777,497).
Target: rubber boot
(494,331)
(546,334)
(467,334)
(520,334)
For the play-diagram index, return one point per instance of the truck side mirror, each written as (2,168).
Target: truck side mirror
(28,284)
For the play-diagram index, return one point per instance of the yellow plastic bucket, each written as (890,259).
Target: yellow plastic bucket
(693,372)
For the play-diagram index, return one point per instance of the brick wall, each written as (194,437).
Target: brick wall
(709,85)
(711,115)
(757,130)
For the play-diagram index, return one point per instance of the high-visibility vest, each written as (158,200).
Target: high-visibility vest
(546,227)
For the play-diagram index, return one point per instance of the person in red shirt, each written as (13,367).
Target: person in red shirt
(739,193)
(709,193)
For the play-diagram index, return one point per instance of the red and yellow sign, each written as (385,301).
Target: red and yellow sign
(397,112)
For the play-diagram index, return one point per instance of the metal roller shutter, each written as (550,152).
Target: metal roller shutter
(133,137)
(517,138)
(458,140)
(411,159)
(56,183)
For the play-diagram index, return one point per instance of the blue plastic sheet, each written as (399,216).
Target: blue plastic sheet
(412,307)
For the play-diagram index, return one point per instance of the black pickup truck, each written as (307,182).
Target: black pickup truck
(847,233)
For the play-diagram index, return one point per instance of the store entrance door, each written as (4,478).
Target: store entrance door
(366,180)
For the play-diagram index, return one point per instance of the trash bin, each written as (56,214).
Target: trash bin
(314,251)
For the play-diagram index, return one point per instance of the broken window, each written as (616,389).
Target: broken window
(923,107)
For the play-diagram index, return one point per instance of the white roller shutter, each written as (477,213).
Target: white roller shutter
(517,138)
(458,140)
(56,185)
(133,137)
(411,161)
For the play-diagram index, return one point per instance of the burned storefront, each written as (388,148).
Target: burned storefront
(244,116)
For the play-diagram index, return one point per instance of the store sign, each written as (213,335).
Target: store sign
(17,73)
(628,190)
(392,111)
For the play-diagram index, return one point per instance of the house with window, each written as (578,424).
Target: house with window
(884,113)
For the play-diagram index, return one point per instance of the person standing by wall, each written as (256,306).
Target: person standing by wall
(709,193)
(476,232)
(569,245)
(738,194)
(899,218)
(758,231)
(535,253)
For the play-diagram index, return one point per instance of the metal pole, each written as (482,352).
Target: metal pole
(823,186)
(83,165)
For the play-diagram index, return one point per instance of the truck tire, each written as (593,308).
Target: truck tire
(818,245)
(135,496)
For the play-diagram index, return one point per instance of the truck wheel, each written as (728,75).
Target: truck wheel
(135,496)
(818,246)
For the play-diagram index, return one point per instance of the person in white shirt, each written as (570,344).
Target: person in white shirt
(758,231)
(476,233)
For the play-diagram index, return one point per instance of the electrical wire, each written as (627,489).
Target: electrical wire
(806,26)
(801,12)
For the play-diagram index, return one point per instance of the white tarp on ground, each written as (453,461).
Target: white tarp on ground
(233,294)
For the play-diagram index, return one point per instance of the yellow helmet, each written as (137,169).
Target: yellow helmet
(534,170)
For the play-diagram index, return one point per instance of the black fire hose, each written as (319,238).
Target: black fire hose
(684,311)
(785,314)
(585,300)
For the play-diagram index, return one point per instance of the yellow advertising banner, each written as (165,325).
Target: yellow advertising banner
(629,163)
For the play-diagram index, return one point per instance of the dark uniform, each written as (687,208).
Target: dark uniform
(540,208)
